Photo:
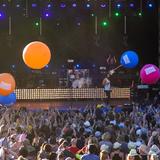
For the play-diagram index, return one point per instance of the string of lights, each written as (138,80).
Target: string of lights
(47,8)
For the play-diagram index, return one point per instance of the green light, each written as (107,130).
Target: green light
(117,14)
(140,14)
(104,23)
(37,24)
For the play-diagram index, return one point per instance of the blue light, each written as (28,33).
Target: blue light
(34,5)
(49,5)
(2,15)
(47,15)
(47,66)
(62,5)
(77,65)
(88,5)
(131,5)
(119,5)
(150,5)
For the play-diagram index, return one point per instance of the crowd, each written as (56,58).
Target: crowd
(98,132)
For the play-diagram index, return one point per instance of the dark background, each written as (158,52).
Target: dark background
(67,40)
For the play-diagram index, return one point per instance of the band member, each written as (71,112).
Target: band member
(107,86)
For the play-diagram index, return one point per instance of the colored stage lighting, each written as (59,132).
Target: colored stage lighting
(46,14)
(49,5)
(74,5)
(150,5)
(37,24)
(17,5)
(78,66)
(88,5)
(104,24)
(131,5)
(63,5)
(140,14)
(103,5)
(4,5)
(34,5)
(118,5)
(117,14)
(2,15)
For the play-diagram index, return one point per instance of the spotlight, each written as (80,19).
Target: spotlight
(78,24)
(104,24)
(74,5)
(13,65)
(150,5)
(17,5)
(34,5)
(140,14)
(63,5)
(118,5)
(117,14)
(92,15)
(88,5)
(1,15)
(93,65)
(37,24)
(77,66)
(4,5)
(49,5)
(103,5)
(46,15)
(131,5)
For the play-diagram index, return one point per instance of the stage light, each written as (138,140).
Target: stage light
(17,5)
(140,14)
(78,66)
(74,5)
(37,24)
(78,23)
(13,65)
(4,5)
(46,15)
(49,5)
(2,15)
(118,5)
(88,5)
(34,5)
(103,5)
(104,24)
(117,14)
(92,15)
(150,5)
(93,65)
(63,5)
(131,5)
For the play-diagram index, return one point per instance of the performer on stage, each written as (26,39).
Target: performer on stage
(107,86)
